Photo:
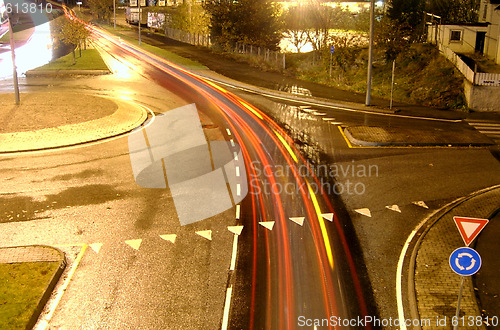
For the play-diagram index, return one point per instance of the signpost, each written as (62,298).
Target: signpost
(332,50)
(465,261)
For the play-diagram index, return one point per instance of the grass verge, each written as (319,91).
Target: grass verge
(90,60)
(23,285)
(169,56)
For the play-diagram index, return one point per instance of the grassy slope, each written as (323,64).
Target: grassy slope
(23,284)
(90,60)
(423,76)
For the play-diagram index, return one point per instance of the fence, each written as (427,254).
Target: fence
(477,78)
(273,58)
(196,39)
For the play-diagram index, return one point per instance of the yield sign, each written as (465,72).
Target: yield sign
(469,228)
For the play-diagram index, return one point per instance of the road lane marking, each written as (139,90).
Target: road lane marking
(44,321)
(134,243)
(252,110)
(394,208)
(327,216)
(237,171)
(341,130)
(96,247)
(364,211)
(235,252)
(421,204)
(205,234)
(238,189)
(235,229)
(238,210)
(232,143)
(267,224)
(322,226)
(298,220)
(235,155)
(227,305)
(169,237)
(228,131)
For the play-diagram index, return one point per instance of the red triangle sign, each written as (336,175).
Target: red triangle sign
(469,228)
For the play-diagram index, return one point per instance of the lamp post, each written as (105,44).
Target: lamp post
(114,14)
(370,55)
(139,23)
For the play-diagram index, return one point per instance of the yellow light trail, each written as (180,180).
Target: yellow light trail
(287,146)
(322,226)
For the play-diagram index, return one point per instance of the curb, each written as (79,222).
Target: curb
(421,233)
(51,73)
(364,143)
(48,289)
(127,117)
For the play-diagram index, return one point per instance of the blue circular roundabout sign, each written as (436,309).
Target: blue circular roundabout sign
(465,261)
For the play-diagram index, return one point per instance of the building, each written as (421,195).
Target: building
(482,37)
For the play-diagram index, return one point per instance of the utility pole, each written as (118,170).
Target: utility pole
(14,76)
(370,55)
(139,23)
(114,14)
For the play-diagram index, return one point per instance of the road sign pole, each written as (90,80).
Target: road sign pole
(457,313)
(331,58)
(14,73)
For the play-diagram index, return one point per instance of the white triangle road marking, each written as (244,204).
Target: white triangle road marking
(205,234)
(421,204)
(394,208)
(268,224)
(134,243)
(169,237)
(298,220)
(96,247)
(235,229)
(364,211)
(328,216)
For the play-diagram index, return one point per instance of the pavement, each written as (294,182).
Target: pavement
(73,119)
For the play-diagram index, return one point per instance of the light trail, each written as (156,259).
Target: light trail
(250,127)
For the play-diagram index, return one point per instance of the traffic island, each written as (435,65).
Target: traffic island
(28,275)
(434,285)
(53,120)
(375,136)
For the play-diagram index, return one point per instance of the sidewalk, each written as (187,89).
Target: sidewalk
(53,120)
(436,285)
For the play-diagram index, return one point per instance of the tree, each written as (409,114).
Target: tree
(190,17)
(295,25)
(455,11)
(255,22)
(101,8)
(401,26)
(73,33)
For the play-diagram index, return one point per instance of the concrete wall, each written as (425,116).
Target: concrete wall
(482,98)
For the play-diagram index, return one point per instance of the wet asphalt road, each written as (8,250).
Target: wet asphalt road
(87,194)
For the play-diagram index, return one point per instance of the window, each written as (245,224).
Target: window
(456,35)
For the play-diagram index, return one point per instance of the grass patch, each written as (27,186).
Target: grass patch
(23,284)
(90,60)
(163,53)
